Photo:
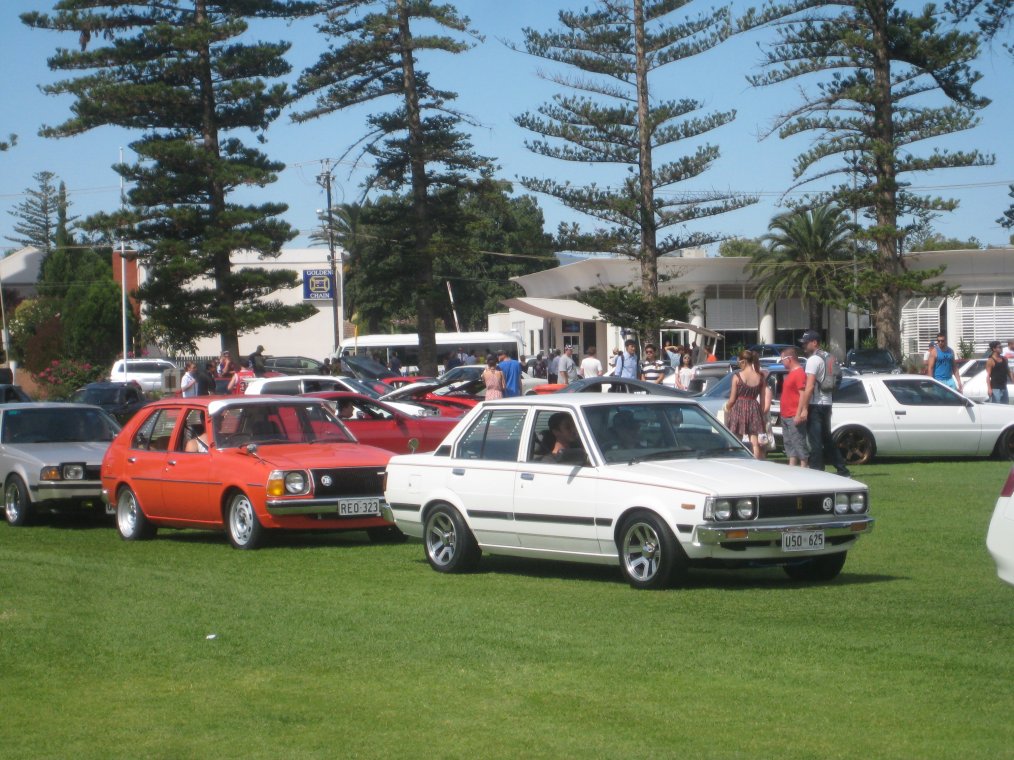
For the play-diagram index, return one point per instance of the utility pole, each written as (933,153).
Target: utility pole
(337,287)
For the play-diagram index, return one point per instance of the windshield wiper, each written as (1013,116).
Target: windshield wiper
(719,452)
(664,454)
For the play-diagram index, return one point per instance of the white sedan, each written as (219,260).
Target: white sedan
(915,416)
(653,484)
(50,457)
(1000,539)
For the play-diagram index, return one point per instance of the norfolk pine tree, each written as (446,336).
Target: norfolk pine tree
(39,214)
(416,146)
(620,49)
(884,80)
(177,73)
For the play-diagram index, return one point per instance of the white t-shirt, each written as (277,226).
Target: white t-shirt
(591,367)
(815,366)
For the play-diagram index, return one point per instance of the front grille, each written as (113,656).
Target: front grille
(349,481)
(795,505)
(93,472)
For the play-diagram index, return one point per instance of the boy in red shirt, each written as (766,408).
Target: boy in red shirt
(793,433)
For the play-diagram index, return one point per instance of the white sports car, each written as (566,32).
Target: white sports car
(915,416)
(653,484)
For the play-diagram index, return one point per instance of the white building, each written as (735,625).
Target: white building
(724,298)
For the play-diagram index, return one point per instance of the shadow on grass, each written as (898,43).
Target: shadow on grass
(72,520)
(277,539)
(735,579)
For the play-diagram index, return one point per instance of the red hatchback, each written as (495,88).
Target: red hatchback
(244,465)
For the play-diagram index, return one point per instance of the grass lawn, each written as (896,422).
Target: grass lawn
(328,646)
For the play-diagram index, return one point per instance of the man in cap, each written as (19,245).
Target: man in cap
(815,408)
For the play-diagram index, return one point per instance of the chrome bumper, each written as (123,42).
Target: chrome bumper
(733,532)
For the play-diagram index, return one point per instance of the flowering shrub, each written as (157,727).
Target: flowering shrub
(61,378)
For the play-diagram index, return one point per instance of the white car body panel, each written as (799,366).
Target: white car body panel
(313,383)
(1000,538)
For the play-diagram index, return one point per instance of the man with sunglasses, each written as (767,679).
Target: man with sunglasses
(942,365)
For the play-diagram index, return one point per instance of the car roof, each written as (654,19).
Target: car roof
(45,405)
(215,404)
(580,400)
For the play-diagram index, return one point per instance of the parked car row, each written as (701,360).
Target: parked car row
(650,482)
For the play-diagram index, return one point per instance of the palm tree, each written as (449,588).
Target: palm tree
(808,255)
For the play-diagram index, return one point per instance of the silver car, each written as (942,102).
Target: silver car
(51,457)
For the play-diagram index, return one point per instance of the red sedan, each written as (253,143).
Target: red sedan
(245,465)
(377,424)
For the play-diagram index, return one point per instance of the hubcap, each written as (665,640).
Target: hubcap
(12,504)
(641,552)
(241,521)
(126,515)
(440,539)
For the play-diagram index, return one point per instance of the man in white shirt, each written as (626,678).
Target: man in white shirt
(1008,353)
(590,366)
(188,384)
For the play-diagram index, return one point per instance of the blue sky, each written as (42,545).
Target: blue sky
(494,84)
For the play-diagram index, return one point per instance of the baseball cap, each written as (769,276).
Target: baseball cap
(808,336)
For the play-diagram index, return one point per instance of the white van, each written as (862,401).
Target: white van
(148,373)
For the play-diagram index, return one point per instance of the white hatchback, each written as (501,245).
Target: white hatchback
(653,484)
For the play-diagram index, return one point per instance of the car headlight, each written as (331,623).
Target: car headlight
(63,472)
(857,503)
(717,509)
(746,509)
(841,503)
(288,483)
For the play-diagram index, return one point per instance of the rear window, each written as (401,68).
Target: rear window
(145,368)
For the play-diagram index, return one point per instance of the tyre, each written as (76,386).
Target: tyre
(17,505)
(856,445)
(130,519)
(241,523)
(1005,446)
(388,534)
(826,567)
(650,555)
(450,545)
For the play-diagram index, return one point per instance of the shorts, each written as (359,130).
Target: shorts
(794,439)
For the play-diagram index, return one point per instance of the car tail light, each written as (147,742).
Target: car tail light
(1008,487)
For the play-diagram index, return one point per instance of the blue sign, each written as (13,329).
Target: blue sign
(317,285)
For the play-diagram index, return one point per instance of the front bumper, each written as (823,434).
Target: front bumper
(328,507)
(66,490)
(754,533)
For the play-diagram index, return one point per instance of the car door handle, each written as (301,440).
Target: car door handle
(528,476)
(900,412)
(131,460)
(458,471)
(171,462)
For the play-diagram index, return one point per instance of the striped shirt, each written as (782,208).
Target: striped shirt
(652,371)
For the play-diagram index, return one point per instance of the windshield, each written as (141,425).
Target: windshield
(371,388)
(68,425)
(97,396)
(871,356)
(278,424)
(631,433)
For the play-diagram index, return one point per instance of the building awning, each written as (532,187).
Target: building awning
(550,308)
